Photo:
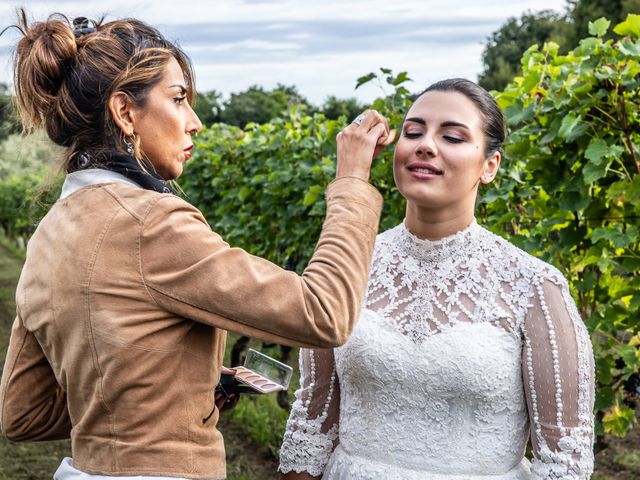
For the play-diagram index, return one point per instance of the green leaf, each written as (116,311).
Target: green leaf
(631,26)
(629,48)
(630,355)
(598,154)
(569,123)
(312,195)
(399,79)
(365,79)
(619,420)
(596,150)
(244,193)
(599,27)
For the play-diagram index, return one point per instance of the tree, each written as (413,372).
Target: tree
(501,55)
(208,106)
(258,105)
(504,48)
(581,12)
(334,107)
(8,120)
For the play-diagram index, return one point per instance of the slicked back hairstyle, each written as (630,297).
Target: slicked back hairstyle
(63,83)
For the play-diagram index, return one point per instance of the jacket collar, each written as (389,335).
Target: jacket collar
(91,176)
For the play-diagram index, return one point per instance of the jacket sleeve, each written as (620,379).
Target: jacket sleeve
(558,372)
(190,271)
(313,426)
(33,406)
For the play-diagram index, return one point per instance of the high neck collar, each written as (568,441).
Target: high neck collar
(445,246)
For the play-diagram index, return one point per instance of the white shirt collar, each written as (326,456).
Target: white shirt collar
(91,176)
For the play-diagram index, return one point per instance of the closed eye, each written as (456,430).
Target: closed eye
(412,134)
(451,139)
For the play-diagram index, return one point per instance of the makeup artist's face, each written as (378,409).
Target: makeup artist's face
(439,158)
(166,123)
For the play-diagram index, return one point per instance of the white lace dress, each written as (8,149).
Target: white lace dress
(464,346)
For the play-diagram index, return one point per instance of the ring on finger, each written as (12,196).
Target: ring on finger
(358,119)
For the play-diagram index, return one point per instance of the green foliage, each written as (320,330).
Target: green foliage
(582,12)
(504,48)
(258,105)
(570,190)
(9,123)
(27,186)
(208,106)
(334,108)
(23,155)
(262,187)
(24,200)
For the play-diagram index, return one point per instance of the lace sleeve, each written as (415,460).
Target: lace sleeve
(312,428)
(558,371)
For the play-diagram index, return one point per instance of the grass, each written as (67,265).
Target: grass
(259,416)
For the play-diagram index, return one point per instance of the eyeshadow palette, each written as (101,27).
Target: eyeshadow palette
(260,374)
(256,381)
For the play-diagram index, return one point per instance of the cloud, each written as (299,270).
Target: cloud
(321,47)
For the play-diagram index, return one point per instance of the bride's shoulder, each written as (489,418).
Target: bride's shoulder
(515,259)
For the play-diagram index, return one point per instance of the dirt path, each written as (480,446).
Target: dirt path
(38,461)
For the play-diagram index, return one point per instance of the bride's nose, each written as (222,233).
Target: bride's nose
(427,147)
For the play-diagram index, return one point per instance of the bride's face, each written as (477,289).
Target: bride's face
(440,157)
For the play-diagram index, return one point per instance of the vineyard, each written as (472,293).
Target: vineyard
(568,193)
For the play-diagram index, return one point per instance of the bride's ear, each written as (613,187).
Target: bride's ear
(490,167)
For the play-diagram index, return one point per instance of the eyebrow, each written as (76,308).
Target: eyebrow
(448,123)
(182,88)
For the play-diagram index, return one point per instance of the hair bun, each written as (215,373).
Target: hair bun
(42,56)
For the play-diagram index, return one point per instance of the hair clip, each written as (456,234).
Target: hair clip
(81,26)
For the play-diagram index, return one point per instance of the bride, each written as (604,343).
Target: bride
(466,346)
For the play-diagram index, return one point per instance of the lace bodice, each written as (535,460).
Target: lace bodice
(464,346)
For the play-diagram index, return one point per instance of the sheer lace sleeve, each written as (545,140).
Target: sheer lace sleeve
(558,371)
(312,429)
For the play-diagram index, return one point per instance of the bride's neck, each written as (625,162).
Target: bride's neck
(435,225)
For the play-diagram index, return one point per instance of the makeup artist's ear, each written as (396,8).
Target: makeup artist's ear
(120,108)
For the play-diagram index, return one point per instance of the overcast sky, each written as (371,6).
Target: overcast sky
(321,47)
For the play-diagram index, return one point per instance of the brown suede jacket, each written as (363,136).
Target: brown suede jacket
(122,310)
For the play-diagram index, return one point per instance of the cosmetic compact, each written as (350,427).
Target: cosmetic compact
(259,374)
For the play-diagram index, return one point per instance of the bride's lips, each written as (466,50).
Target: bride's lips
(424,170)
(187,153)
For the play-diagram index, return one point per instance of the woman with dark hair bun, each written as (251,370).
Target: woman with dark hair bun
(126,294)
(466,346)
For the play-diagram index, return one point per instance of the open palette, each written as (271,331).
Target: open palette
(259,374)
(256,381)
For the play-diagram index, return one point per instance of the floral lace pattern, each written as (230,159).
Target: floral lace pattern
(464,346)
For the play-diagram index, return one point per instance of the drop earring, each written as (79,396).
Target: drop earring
(129,144)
